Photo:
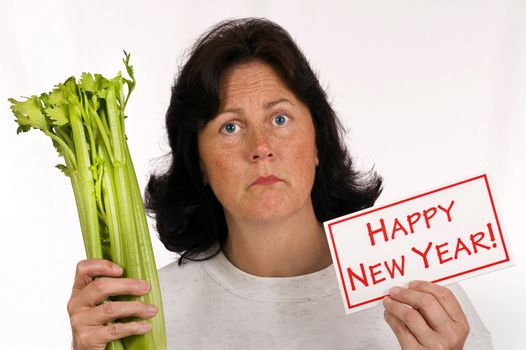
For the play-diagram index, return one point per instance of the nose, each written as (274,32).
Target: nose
(260,146)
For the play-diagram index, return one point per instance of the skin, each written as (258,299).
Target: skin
(426,316)
(89,316)
(262,129)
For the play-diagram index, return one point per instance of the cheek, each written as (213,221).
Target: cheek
(214,160)
(301,156)
(223,175)
(223,165)
(305,148)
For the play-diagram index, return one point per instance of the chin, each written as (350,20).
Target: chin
(271,211)
(269,206)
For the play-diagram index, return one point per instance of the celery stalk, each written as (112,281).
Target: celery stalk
(146,251)
(85,121)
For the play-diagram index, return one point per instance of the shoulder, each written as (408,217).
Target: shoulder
(182,288)
(183,285)
(174,277)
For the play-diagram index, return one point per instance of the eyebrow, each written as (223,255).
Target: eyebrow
(267,105)
(273,103)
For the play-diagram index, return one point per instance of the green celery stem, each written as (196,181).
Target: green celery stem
(127,217)
(112,210)
(86,200)
(146,250)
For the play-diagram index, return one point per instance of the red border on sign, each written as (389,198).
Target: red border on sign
(407,200)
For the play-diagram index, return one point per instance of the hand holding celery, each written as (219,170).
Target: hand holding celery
(85,121)
(88,315)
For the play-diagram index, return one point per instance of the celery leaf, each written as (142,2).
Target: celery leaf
(28,114)
(87,83)
(59,115)
(57,97)
(65,170)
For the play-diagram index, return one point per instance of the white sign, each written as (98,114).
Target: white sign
(445,235)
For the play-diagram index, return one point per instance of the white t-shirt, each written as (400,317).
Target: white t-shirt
(214,305)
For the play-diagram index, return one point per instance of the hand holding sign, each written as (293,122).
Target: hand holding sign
(435,319)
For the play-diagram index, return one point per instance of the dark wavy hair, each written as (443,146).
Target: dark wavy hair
(189,218)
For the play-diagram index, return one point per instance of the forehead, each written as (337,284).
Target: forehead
(254,80)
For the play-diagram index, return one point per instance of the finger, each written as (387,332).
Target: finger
(104,287)
(412,319)
(406,339)
(90,268)
(113,310)
(118,330)
(445,297)
(426,303)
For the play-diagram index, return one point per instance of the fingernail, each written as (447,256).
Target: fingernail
(151,309)
(387,300)
(413,284)
(394,290)
(145,326)
(144,286)
(117,269)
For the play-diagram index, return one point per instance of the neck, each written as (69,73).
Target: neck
(284,247)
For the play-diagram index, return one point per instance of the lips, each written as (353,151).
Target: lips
(266,180)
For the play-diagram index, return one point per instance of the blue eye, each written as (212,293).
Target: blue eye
(280,119)
(230,128)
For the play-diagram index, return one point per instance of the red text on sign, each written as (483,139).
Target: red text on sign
(411,219)
(473,245)
(376,273)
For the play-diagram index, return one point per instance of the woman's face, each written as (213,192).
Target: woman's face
(259,153)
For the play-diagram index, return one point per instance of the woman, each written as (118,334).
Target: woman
(257,163)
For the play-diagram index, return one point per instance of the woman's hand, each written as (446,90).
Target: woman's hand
(426,316)
(88,315)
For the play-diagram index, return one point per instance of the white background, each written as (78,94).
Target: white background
(431,92)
